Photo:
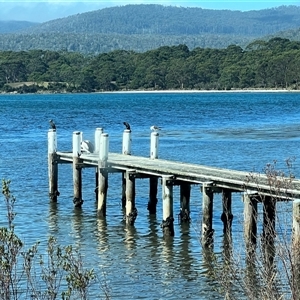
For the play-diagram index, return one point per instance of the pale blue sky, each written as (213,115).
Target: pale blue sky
(41,11)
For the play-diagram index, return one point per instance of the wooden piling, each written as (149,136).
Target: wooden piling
(126,150)
(167,198)
(131,211)
(250,219)
(98,133)
(123,199)
(207,217)
(226,216)
(185,194)
(296,246)
(102,175)
(153,183)
(52,165)
(77,180)
(268,236)
(154,145)
(126,144)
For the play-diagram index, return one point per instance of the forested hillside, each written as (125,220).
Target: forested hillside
(272,64)
(14,26)
(144,27)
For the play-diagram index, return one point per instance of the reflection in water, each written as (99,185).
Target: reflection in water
(130,237)
(102,235)
(77,225)
(53,218)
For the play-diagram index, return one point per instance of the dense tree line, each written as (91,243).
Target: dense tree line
(271,64)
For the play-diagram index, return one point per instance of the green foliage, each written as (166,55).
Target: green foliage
(272,64)
(24,273)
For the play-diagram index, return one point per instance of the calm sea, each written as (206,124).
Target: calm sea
(242,131)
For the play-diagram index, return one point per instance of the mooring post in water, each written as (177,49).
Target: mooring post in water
(167,198)
(52,165)
(185,193)
(207,214)
(77,180)
(153,182)
(126,150)
(268,236)
(250,218)
(98,133)
(226,216)
(296,244)
(102,175)
(154,145)
(131,211)
(126,143)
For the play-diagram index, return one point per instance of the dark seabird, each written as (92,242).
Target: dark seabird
(127,125)
(52,124)
(155,128)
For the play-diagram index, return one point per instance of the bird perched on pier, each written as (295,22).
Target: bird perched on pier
(155,128)
(87,146)
(52,124)
(127,125)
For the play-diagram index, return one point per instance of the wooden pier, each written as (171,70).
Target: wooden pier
(256,188)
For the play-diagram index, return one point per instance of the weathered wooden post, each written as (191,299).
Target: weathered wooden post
(153,181)
(98,133)
(207,217)
(268,236)
(131,211)
(126,144)
(185,193)
(154,145)
(77,180)
(167,198)
(296,245)
(250,218)
(52,165)
(226,216)
(126,150)
(102,175)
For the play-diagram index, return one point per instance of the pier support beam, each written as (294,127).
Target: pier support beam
(185,194)
(167,197)
(131,211)
(153,182)
(207,217)
(98,133)
(226,216)
(102,175)
(77,180)
(126,144)
(154,145)
(52,165)
(123,200)
(250,219)
(296,245)
(268,236)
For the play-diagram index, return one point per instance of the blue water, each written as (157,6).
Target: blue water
(242,131)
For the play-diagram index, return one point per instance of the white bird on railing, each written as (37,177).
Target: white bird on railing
(155,128)
(87,146)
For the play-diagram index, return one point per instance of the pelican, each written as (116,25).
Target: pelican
(127,125)
(87,147)
(155,128)
(52,124)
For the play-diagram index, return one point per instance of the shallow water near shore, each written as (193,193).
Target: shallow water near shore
(242,131)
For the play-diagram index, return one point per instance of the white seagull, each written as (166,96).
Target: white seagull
(155,128)
(87,147)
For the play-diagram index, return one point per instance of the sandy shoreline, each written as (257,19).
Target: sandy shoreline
(203,91)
